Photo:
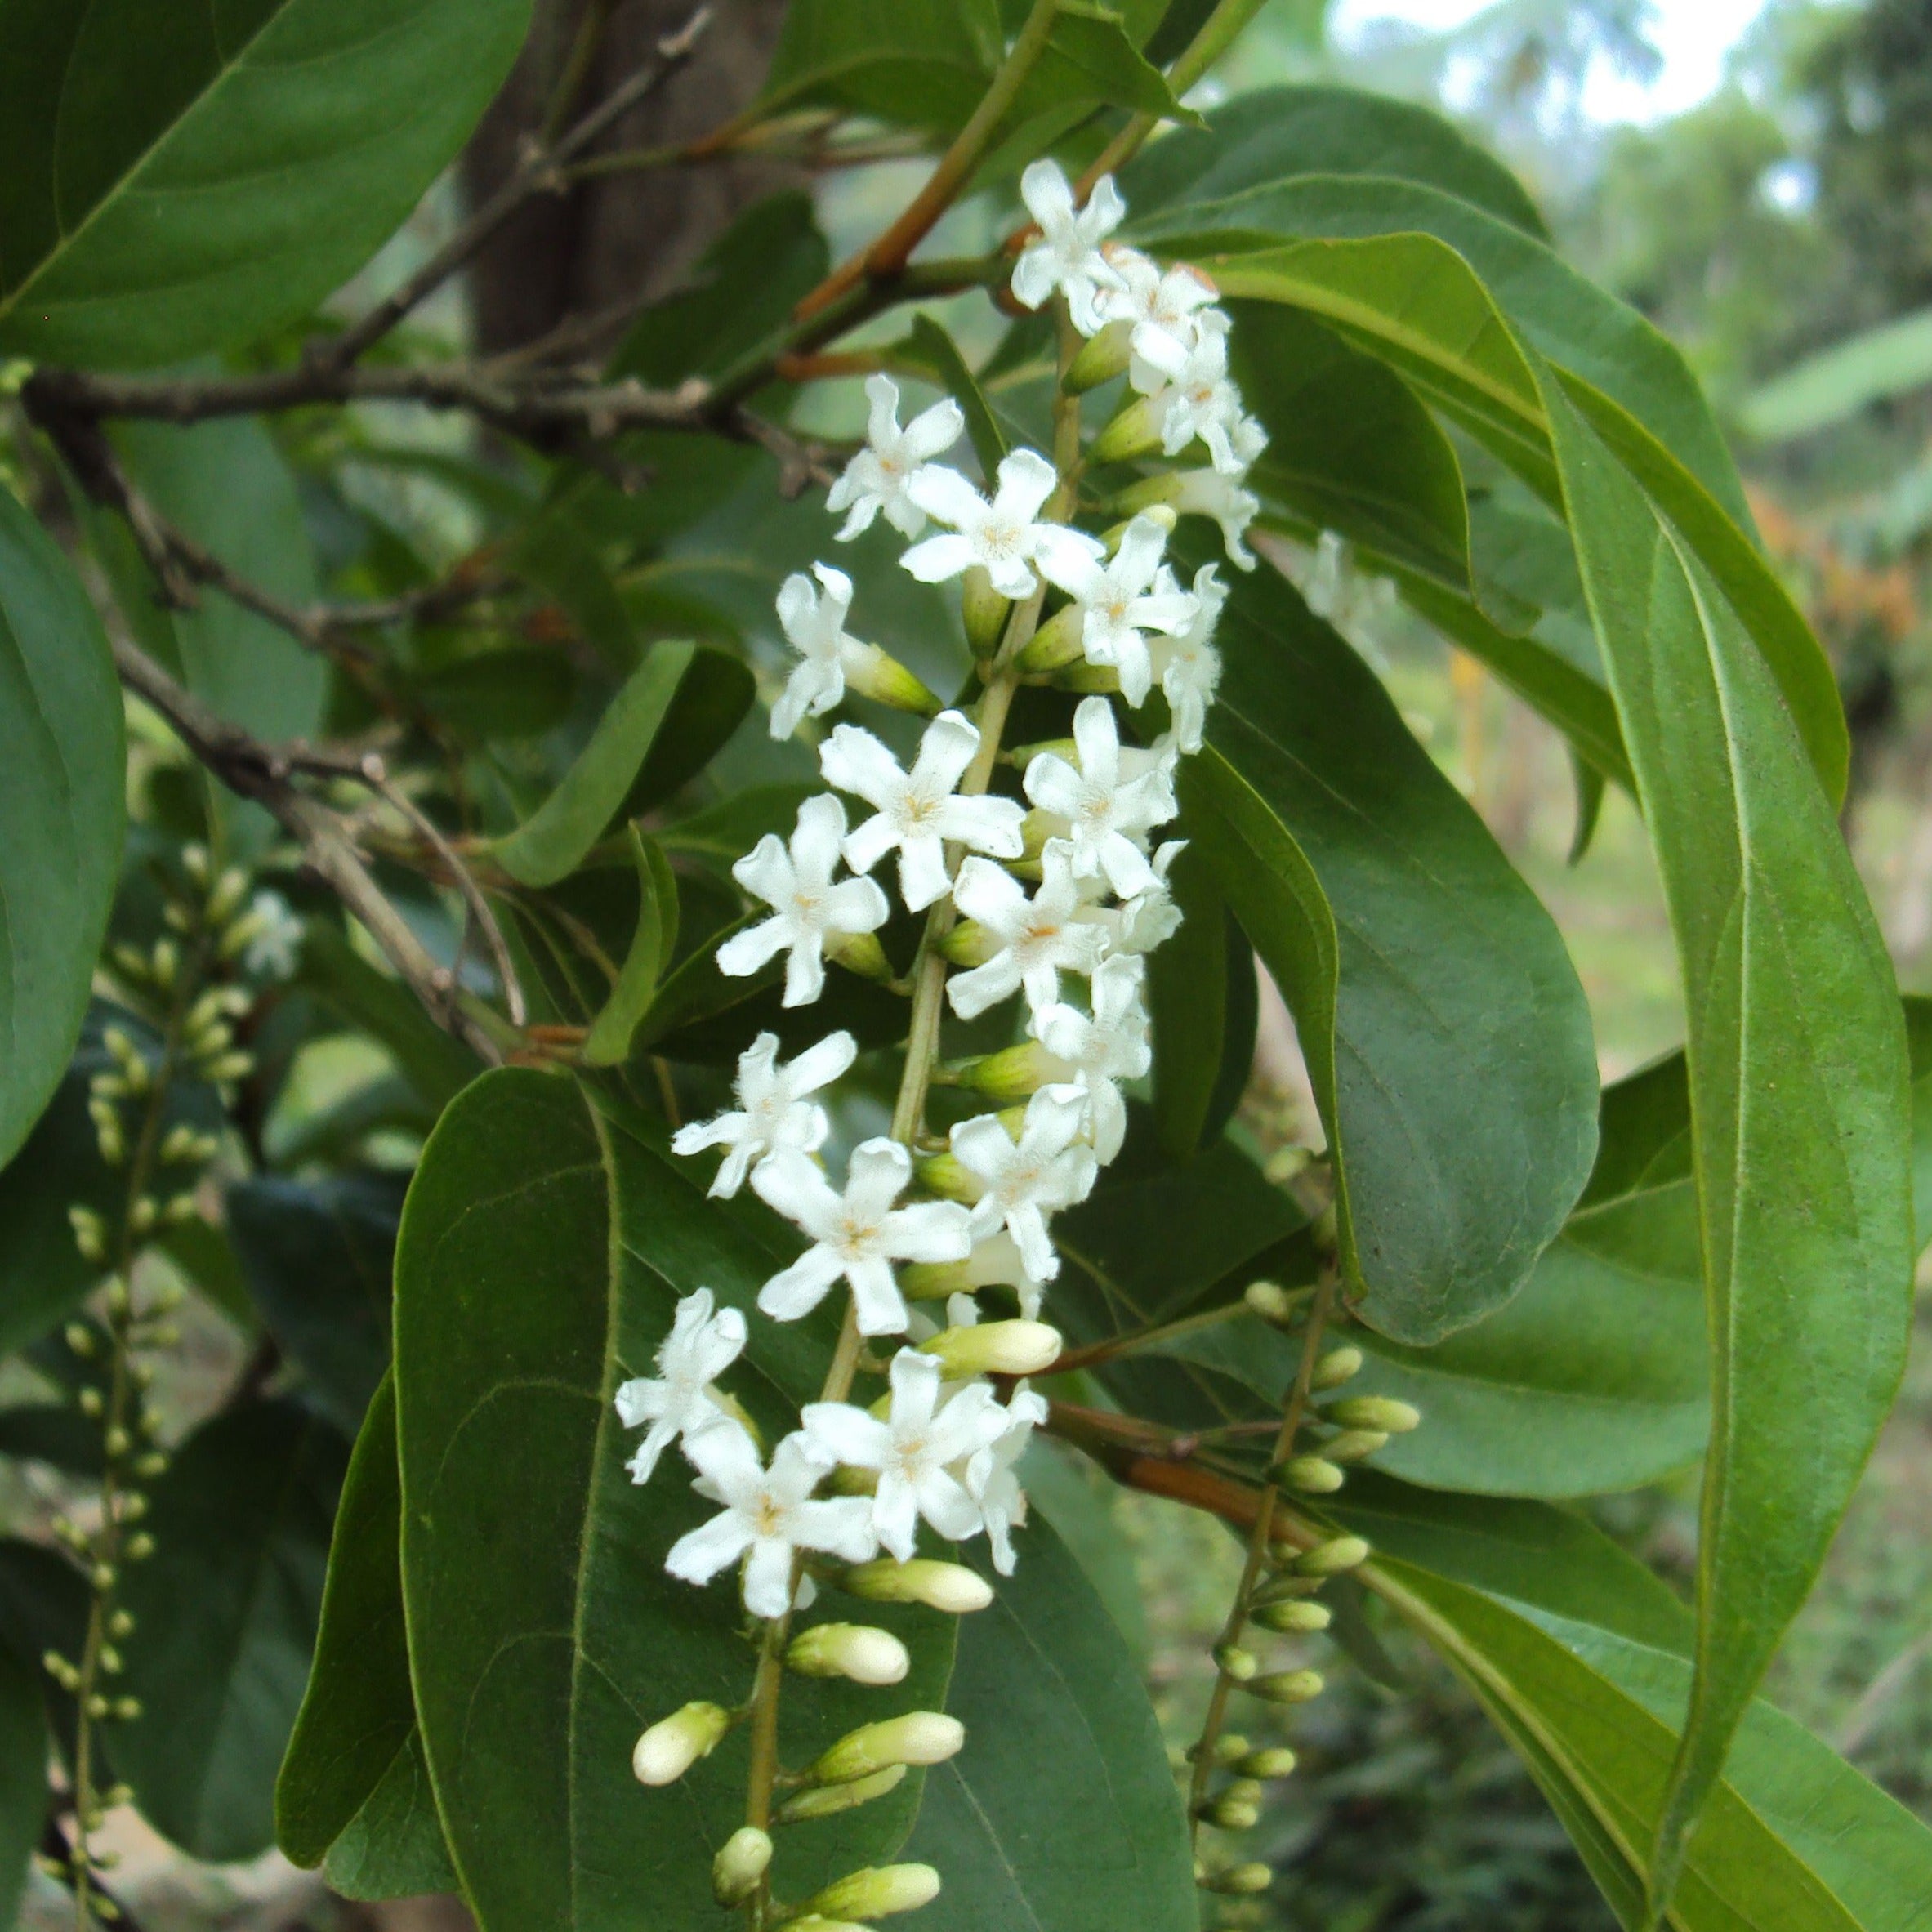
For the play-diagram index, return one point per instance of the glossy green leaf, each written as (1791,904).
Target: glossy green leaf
(176,183)
(651,947)
(394,1847)
(227,1609)
(553,841)
(1797,1068)
(1061,1810)
(543,1249)
(1446,1034)
(62,783)
(1187,1003)
(1277,134)
(714,699)
(1091,60)
(924,62)
(23,1750)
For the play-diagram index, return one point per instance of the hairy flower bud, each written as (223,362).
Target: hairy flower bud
(1286,1687)
(670,1747)
(1376,1411)
(1332,1558)
(919,1738)
(948,1587)
(1353,1444)
(1277,1761)
(877,1892)
(1293,1615)
(996,1348)
(824,1800)
(740,1866)
(1313,1475)
(1336,1368)
(860,1651)
(860,953)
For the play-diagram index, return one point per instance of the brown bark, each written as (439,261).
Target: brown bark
(624,238)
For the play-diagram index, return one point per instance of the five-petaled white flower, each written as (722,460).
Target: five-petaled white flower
(1150,918)
(1199,400)
(769,1513)
(772,1110)
(1001,535)
(1046,1169)
(1206,492)
(796,881)
(813,622)
(1189,665)
(858,1233)
(701,1346)
(276,942)
(1036,939)
(1068,254)
(1107,804)
(919,813)
(997,1262)
(1163,305)
(911,1449)
(1122,598)
(876,478)
(993,1482)
(1100,1047)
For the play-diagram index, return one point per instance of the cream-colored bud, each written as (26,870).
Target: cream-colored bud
(1235,1662)
(877,1892)
(948,1587)
(919,1738)
(985,611)
(1241,1880)
(1312,1475)
(860,1651)
(671,1745)
(80,1338)
(739,1868)
(1383,1412)
(1277,1761)
(1293,1615)
(818,1922)
(997,1348)
(1336,1368)
(824,1800)
(1353,1444)
(1270,1300)
(1332,1558)
(1286,1687)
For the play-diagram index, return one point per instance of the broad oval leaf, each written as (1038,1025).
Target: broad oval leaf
(176,181)
(62,788)
(1446,1033)
(544,1246)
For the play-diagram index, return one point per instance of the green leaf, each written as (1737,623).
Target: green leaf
(924,63)
(44,1602)
(1091,60)
(176,183)
(394,1847)
(930,345)
(62,783)
(1893,359)
(52,1433)
(1201,999)
(651,950)
(226,1608)
(519,692)
(1061,1810)
(556,556)
(543,1249)
(1411,952)
(1277,134)
(1797,1068)
(551,843)
(717,692)
(23,1794)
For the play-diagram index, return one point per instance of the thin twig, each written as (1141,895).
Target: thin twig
(56,1850)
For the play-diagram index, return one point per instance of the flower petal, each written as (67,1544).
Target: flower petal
(939,558)
(698,1556)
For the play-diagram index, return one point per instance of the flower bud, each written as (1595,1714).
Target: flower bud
(879,676)
(825,1800)
(1336,1368)
(1241,1881)
(1332,1558)
(80,1338)
(1277,1761)
(1230,1814)
(1353,1444)
(1058,641)
(1286,1687)
(860,1651)
(985,611)
(1293,1615)
(90,1233)
(1244,1790)
(1086,678)
(968,944)
(1235,1662)
(948,1587)
(670,1747)
(1376,1411)
(739,1867)
(1271,1301)
(1012,1074)
(1101,359)
(1135,431)
(877,1892)
(818,1922)
(949,1177)
(860,953)
(1313,1475)
(996,1348)
(919,1738)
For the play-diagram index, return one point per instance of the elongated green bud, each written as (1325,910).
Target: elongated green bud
(1241,1881)
(1277,1761)
(1010,1075)
(968,944)
(996,1348)
(1135,431)
(879,676)
(1235,1662)
(1376,1411)
(1353,1444)
(1312,1475)
(1058,641)
(948,1587)
(860,953)
(825,1800)
(1286,1687)
(1293,1615)
(919,1738)
(1336,1368)
(90,1233)
(1101,359)
(984,611)
(1230,1814)
(670,1747)
(947,1177)
(1332,1558)
(877,1892)
(740,1866)
(860,1651)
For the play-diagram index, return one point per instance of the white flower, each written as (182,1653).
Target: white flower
(1150,918)
(1190,666)
(1108,1044)
(700,1347)
(997,1262)
(1164,307)
(813,622)
(772,1110)
(1206,492)
(1002,537)
(919,813)
(808,908)
(1038,938)
(275,947)
(1123,597)
(1067,257)
(1048,1168)
(1339,593)
(991,1480)
(876,478)
(771,1513)
(910,1450)
(859,1233)
(1107,805)
(1199,400)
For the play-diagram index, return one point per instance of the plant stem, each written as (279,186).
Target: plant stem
(1257,1549)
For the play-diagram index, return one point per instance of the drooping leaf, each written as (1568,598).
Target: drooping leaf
(651,947)
(176,183)
(1446,1033)
(543,1249)
(227,1609)
(62,785)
